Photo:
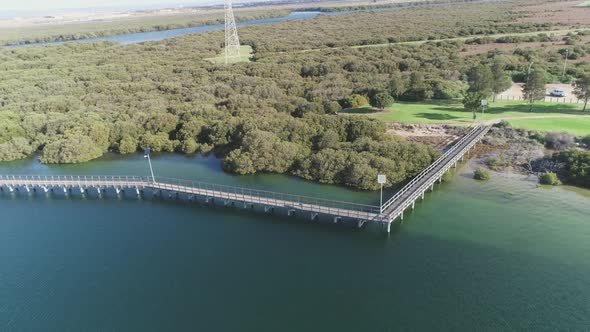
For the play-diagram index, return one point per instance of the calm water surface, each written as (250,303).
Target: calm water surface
(502,255)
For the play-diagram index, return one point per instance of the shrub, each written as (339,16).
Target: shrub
(381,100)
(355,100)
(549,178)
(502,124)
(537,136)
(481,174)
(448,176)
(577,166)
(127,145)
(17,148)
(70,149)
(559,141)
(447,89)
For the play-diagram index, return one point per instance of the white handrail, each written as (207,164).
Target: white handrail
(221,191)
(417,192)
(418,177)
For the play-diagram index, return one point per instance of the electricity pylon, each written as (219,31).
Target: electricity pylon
(232,42)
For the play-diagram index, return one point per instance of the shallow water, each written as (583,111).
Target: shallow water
(486,256)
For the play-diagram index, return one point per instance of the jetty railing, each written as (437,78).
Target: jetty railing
(438,174)
(427,170)
(249,195)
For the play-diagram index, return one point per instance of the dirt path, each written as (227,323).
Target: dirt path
(419,42)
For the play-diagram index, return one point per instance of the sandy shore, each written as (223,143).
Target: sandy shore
(76,17)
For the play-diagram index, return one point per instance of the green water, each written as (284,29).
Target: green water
(503,255)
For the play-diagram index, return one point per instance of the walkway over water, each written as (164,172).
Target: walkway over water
(266,201)
(408,195)
(216,194)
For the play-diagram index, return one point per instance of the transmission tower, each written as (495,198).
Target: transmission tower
(232,42)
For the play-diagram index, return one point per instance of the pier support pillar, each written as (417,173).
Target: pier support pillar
(401,216)
(314,216)
(432,187)
(413,205)
(361,223)
(388,227)
(423,195)
(337,219)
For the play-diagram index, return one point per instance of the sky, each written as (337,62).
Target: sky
(48,5)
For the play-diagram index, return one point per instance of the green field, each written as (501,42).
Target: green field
(453,112)
(584,4)
(576,126)
(246,52)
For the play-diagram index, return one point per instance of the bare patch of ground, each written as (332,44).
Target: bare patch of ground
(561,12)
(437,136)
(515,93)
(510,47)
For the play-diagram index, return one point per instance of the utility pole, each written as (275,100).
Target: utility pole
(567,54)
(232,42)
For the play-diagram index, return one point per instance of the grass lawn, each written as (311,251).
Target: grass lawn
(245,55)
(584,4)
(576,126)
(452,111)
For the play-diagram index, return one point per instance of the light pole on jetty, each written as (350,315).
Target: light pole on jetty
(147,155)
(381,179)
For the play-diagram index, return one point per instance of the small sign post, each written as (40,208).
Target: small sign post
(381,179)
(484,103)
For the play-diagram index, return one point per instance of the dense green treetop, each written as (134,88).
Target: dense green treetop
(279,113)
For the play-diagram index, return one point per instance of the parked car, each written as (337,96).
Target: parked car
(557,93)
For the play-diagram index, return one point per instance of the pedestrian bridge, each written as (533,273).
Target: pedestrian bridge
(245,198)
